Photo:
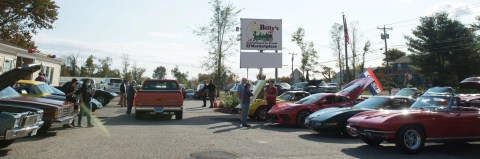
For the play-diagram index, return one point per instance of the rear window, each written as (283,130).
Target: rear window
(115,81)
(160,85)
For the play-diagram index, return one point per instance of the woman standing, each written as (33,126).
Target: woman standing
(71,95)
(86,94)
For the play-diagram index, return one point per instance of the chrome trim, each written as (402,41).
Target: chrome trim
(22,132)
(165,108)
(59,122)
(381,132)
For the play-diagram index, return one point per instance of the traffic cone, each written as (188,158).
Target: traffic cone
(215,103)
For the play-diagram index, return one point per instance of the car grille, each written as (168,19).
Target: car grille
(29,121)
(65,111)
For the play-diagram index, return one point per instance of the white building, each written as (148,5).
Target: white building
(12,56)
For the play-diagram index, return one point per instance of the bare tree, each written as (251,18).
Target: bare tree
(366,48)
(71,62)
(219,35)
(125,64)
(336,35)
(353,45)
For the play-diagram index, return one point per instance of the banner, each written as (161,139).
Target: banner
(375,88)
(261,34)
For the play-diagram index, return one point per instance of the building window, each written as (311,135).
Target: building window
(399,66)
(7,65)
(51,76)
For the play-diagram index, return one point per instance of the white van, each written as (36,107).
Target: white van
(111,84)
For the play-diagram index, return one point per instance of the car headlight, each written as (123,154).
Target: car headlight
(17,122)
(58,113)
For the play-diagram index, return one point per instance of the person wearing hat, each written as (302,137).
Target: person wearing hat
(271,94)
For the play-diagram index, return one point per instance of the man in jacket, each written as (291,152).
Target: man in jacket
(130,96)
(246,104)
(123,95)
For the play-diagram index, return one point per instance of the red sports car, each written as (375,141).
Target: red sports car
(295,113)
(436,118)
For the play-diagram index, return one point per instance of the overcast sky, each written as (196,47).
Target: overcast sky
(159,32)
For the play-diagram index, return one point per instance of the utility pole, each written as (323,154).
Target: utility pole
(385,36)
(293,74)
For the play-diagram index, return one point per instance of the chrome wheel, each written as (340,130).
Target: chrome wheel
(412,139)
(352,133)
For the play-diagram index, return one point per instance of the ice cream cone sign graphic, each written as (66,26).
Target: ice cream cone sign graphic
(254,28)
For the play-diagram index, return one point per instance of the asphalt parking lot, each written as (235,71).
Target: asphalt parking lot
(204,133)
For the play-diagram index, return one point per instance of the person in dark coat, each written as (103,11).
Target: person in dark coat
(123,95)
(203,92)
(246,104)
(41,77)
(130,96)
(86,93)
(71,96)
(211,92)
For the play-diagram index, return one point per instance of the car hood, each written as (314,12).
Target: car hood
(32,100)
(384,117)
(283,106)
(356,87)
(10,77)
(329,113)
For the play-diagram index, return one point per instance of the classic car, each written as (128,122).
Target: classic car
(258,108)
(470,92)
(31,88)
(17,122)
(104,96)
(335,119)
(432,118)
(295,113)
(408,92)
(56,113)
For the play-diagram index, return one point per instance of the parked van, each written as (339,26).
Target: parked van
(111,84)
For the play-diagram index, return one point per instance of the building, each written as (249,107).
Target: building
(402,73)
(296,75)
(12,56)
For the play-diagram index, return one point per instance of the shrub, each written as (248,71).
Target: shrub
(230,100)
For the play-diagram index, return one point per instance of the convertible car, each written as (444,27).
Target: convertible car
(17,122)
(56,113)
(335,119)
(258,109)
(295,113)
(435,118)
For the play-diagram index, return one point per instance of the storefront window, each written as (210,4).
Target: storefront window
(7,65)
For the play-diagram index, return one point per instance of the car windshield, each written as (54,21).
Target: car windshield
(406,92)
(190,90)
(56,91)
(432,103)
(440,91)
(8,92)
(373,103)
(310,99)
(301,85)
(332,84)
(115,81)
(161,85)
(286,96)
(44,88)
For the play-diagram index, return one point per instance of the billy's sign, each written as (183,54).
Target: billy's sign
(261,34)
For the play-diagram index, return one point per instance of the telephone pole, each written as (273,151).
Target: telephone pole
(293,74)
(385,36)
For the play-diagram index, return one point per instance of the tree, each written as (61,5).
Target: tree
(336,35)
(353,45)
(366,48)
(71,63)
(327,72)
(90,66)
(309,54)
(137,72)
(393,54)
(125,64)
(20,19)
(444,50)
(83,72)
(219,36)
(104,69)
(159,73)
(202,77)
(181,77)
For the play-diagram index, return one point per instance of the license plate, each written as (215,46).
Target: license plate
(158,109)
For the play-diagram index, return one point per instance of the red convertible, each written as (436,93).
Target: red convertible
(295,113)
(433,118)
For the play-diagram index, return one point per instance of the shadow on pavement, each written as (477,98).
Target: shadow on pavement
(463,150)
(39,136)
(329,138)
(4,152)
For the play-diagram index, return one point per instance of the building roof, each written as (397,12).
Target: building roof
(22,52)
(403,59)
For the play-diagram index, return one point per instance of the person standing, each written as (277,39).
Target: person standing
(246,104)
(203,91)
(123,95)
(271,95)
(86,94)
(211,92)
(71,96)
(240,89)
(130,96)
(41,77)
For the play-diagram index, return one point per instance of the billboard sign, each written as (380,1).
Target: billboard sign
(260,60)
(261,34)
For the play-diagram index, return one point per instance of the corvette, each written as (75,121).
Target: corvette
(432,118)
(295,113)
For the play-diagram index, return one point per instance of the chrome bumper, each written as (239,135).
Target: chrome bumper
(165,109)
(26,131)
(372,133)
(59,122)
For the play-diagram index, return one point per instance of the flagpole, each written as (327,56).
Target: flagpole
(347,40)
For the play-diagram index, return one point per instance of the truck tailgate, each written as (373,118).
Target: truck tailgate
(159,98)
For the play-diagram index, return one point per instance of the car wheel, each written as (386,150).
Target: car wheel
(138,115)
(349,132)
(410,139)
(94,107)
(261,113)
(102,100)
(301,118)
(178,115)
(371,141)
(6,143)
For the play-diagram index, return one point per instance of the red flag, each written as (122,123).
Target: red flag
(345,31)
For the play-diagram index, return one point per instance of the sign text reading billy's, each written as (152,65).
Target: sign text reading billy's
(261,34)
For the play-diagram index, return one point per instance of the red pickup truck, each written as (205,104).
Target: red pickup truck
(159,97)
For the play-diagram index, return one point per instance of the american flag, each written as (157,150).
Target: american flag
(345,31)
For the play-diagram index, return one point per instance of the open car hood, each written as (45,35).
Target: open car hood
(356,87)
(10,77)
(471,82)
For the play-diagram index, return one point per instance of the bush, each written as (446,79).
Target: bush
(230,100)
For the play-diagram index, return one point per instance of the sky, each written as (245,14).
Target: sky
(160,32)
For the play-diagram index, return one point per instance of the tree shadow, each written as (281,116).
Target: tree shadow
(431,150)
(4,152)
